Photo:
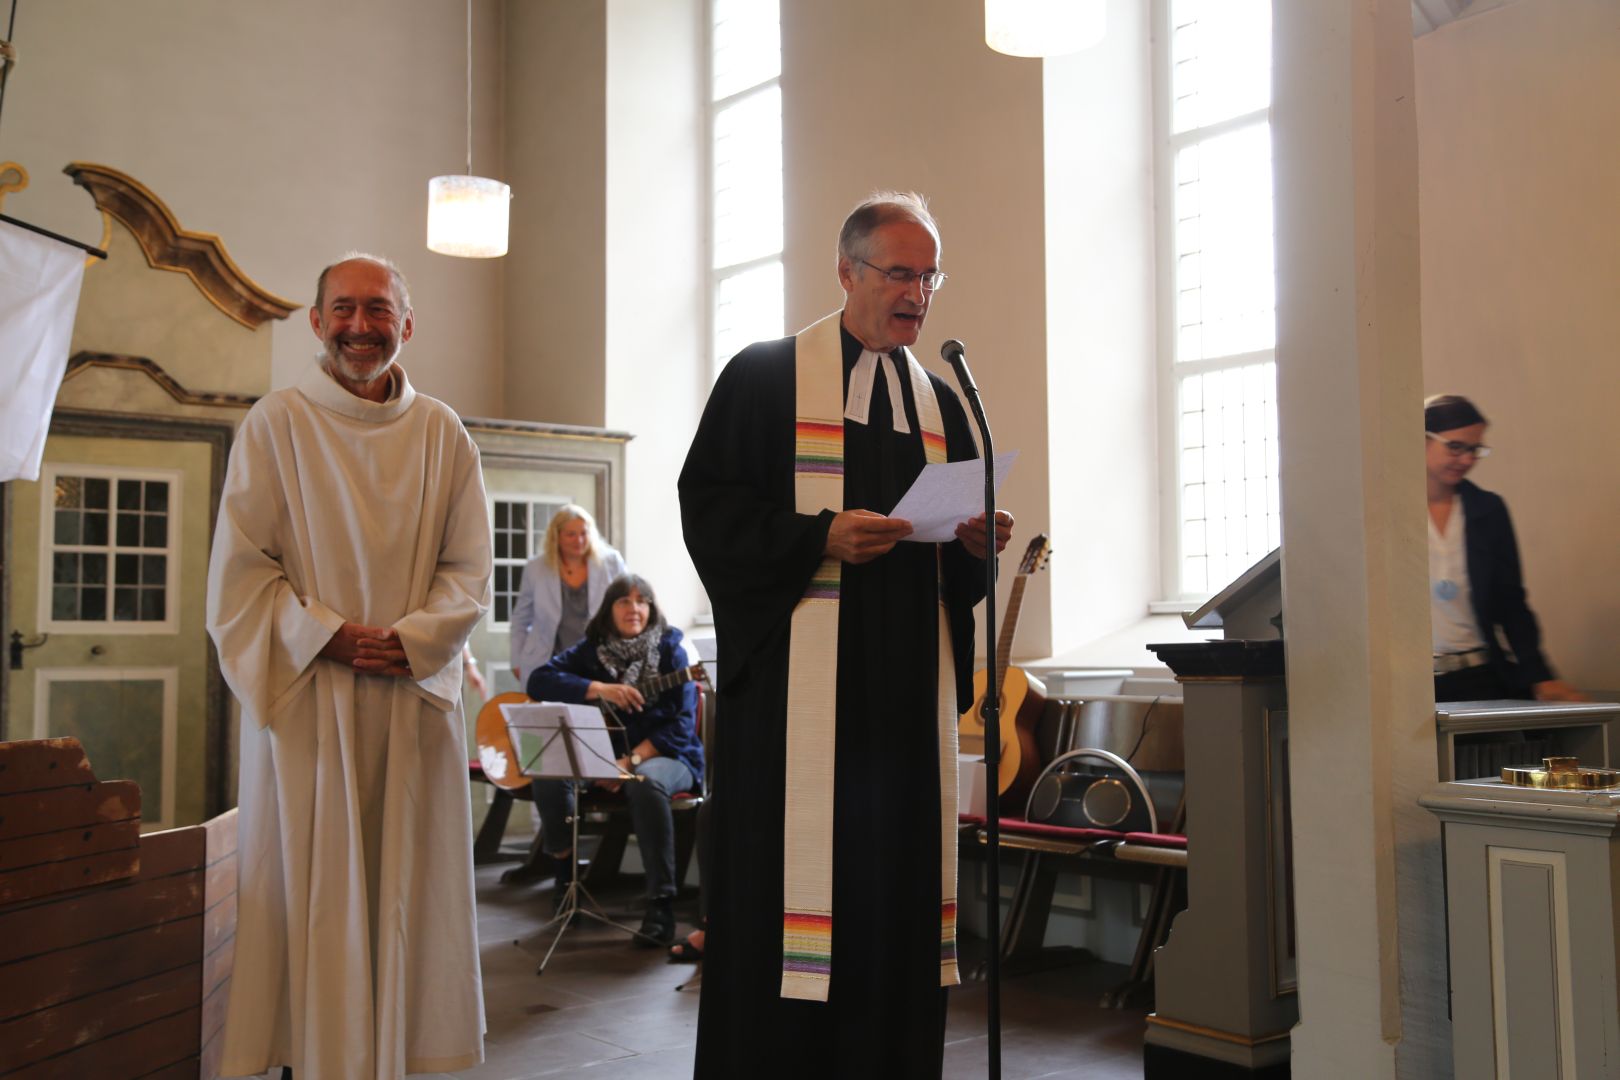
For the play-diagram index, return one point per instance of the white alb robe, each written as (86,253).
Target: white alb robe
(356,945)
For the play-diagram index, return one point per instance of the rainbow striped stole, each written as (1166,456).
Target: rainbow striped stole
(818,448)
(818,482)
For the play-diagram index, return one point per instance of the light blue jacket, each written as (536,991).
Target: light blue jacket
(538,608)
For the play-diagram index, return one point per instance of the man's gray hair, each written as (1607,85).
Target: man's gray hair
(402,290)
(876,210)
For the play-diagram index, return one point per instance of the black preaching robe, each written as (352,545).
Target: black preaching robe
(885,1013)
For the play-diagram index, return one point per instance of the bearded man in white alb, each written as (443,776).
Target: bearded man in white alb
(351,560)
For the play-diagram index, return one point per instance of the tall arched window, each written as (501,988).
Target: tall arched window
(1217,288)
(745,123)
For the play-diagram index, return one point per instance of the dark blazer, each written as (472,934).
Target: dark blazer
(1497,587)
(669,720)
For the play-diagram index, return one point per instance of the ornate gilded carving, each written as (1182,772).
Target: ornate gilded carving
(81,360)
(167,246)
(550,431)
(13,177)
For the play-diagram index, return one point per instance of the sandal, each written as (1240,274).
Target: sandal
(685,952)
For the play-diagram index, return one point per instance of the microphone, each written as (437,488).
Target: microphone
(954,353)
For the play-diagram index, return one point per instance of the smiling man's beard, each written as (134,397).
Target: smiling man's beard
(361,372)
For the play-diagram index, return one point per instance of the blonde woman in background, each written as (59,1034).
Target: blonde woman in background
(561,589)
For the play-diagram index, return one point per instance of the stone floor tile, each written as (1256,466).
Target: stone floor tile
(607,1010)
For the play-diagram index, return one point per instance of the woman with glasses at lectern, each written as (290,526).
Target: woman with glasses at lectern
(1475,586)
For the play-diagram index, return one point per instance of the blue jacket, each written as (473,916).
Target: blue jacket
(669,721)
(538,608)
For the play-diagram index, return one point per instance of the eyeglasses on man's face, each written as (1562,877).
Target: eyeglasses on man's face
(930,280)
(1461,449)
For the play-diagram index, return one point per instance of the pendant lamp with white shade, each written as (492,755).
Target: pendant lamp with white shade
(467,214)
(1044,27)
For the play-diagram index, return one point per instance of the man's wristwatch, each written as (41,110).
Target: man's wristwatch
(635,760)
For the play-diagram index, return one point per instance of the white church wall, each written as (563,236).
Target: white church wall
(1518,163)
(605,312)
(295,131)
(656,376)
(555,316)
(1102,368)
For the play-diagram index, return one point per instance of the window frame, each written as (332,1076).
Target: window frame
(1170,372)
(536,540)
(48,549)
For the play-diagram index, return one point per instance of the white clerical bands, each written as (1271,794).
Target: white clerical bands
(859,403)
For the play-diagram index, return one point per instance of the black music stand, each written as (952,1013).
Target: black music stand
(575,743)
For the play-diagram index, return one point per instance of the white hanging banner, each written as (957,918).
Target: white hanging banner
(39,296)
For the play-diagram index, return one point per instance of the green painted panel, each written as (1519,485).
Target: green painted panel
(120,723)
(88,507)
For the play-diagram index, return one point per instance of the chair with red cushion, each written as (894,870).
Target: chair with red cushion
(607,814)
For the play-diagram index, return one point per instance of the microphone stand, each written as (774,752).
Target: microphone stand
(955,354)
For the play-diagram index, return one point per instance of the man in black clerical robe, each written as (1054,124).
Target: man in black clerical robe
(885,1009)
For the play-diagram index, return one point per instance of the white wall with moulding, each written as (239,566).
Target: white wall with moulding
(1518,165)
(656,374)
(295,131)
(1102,362)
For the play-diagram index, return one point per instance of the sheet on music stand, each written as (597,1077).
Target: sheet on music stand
(560,741)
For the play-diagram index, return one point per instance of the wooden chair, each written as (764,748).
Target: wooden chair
(602,814)
(1157,859)
(495,746)
(607,814)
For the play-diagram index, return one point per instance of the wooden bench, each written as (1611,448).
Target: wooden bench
(115,948)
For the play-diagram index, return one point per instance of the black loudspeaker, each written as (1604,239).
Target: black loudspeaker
(1092,789)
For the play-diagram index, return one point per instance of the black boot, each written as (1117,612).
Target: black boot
(658,925)
(538,867)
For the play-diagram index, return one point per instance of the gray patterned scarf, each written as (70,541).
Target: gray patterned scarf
(629,660)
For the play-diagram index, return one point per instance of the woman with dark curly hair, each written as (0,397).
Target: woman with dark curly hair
(626,644)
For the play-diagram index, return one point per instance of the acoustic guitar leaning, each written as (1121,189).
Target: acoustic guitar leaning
(1023,696)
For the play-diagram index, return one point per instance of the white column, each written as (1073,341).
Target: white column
(1367,860)
(555,299)
(1101,375)
(656,369)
